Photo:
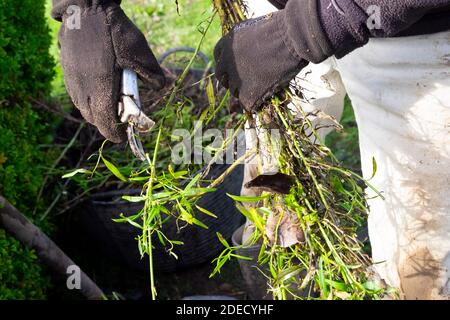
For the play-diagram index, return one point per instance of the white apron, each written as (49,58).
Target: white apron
(400,91)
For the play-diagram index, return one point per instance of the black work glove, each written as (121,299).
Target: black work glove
(260,56)
(93,56)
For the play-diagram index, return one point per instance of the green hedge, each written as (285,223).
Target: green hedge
(25,64)
(20,276)
(26,70)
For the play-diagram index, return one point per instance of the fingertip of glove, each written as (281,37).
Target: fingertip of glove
(161,81)
(251,106)
(224,82)
(156,79)
(218,49)
(115,134)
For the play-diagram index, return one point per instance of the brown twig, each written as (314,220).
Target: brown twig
(28,234)
(56,110)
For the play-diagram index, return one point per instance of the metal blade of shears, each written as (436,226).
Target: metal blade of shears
(130,112)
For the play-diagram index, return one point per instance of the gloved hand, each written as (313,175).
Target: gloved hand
(260,56)
(93,56)
(254,62)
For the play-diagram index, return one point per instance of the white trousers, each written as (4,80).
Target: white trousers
(400,92)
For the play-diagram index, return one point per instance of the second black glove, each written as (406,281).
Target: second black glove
(253,60)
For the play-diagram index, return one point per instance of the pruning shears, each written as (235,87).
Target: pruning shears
(130,112)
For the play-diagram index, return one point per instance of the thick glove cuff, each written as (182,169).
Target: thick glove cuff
(279,4)
(303,32)
(60,6)
(345,29)
(256,59)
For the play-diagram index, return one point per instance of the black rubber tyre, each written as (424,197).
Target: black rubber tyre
(118,240)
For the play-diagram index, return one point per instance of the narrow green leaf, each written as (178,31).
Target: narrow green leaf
(199,223)
(114,170)
(139,178)
(161,195)
(134,224)
(222,240)
(241,257)
(179,174)
(75,172)
(253,216)
(134,198)
(161,238)
(374,168)
(337,285)
(193,182)
(207,212)
(210,93)
(248,198)
(197,191)
(289,273)
(371,286)
(321,280)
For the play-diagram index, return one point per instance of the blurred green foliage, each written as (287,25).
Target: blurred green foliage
(345,144)
(163,25)
(167,26)
(20,276)
(25,66)
(26,70)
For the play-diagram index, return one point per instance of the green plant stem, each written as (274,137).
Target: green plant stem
(55,163)
(302,157)
(149,201)
(180,80)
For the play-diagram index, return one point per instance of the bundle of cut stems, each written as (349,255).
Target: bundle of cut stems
(306,209)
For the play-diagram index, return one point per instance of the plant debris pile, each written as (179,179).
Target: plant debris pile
(307,214)
(304,208)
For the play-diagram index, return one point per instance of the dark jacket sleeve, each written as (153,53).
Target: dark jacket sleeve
(350,23)
(60,6)
(279,4)
(318,29)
